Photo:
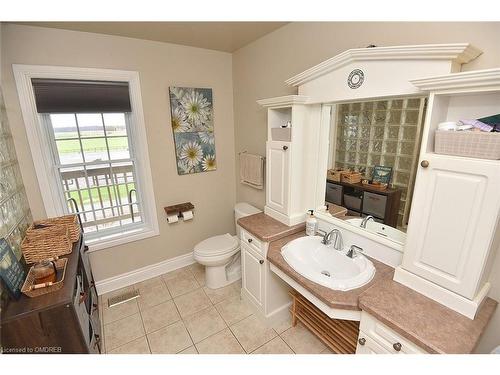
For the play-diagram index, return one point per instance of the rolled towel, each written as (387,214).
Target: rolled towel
(478,125)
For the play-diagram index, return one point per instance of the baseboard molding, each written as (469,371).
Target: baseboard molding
(144,273)
(441,295)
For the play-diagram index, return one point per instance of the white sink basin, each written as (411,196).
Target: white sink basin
(325,265)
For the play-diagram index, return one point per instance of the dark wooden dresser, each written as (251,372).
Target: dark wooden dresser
(363,200)
(65,321)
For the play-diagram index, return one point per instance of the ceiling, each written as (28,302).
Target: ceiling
(220,36)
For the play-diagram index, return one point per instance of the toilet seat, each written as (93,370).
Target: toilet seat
(217,245)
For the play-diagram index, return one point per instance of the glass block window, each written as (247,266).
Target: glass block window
(383,132)
(95,161)
(15,214)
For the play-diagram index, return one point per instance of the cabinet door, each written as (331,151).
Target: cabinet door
(278,163)
(253,274)
(452,221)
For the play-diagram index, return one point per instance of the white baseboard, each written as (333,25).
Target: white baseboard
(144,273)
(442,295)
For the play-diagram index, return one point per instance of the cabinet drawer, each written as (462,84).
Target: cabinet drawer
(252,242)
(374,204)
(367,345)
(386,337)
(334,193)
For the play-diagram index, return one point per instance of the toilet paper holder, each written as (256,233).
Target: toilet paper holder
(179,209)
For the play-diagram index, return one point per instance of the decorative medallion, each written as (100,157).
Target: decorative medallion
(355,79)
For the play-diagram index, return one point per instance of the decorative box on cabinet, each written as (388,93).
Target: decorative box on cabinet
(64,321)
(286,162)
(453,230)
(265,292)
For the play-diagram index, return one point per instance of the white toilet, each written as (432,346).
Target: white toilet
(221,254)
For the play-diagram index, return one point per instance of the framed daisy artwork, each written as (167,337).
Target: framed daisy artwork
(193,129)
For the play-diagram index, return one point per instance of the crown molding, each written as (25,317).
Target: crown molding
(460,53)
(283,101)
(456,81)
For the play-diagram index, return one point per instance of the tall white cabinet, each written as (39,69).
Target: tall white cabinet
(287,155)
(453,232)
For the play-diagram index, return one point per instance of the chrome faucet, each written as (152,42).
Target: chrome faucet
(338,243)
(365,220)
(354,251)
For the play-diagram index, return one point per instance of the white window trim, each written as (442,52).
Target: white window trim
(40,144)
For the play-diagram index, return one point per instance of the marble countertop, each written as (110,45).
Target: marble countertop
(430,325)
(267,229)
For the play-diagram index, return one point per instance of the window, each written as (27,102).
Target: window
(384,132)
(96,168)
(88,141)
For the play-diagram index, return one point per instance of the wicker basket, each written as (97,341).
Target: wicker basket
(335,174)
(71,221)
(351,177)
(46,242)
(482,145)
(29,287)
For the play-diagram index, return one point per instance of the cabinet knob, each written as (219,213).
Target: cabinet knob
(424,163)
(397,346)
(285,148)
(249,240)
(85,248)
(261,261)
(362,341)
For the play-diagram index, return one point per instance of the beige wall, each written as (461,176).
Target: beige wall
(260,69)
(160,65)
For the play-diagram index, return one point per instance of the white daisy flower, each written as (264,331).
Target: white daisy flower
(208,163)
(177,92)
(196,106)
(191,153)
(179,123)
(207,137)
(183,166)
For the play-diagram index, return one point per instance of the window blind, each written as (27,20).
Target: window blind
(71,96)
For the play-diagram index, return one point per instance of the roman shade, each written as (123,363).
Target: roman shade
(73,96)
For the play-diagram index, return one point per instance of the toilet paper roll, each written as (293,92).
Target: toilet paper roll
(187,215)
(172,219)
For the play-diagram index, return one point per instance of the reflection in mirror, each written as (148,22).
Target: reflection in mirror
(374,148)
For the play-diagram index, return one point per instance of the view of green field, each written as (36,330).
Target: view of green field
(91,145)
(104,195)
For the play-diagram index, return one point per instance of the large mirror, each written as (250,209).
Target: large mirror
(372,162)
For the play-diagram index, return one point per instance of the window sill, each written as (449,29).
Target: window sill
(101,243)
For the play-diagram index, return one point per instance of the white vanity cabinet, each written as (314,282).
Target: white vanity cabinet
(376,338)
(453,231)
(262,289)
(288,153)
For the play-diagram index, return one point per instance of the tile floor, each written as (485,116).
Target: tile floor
(176,313)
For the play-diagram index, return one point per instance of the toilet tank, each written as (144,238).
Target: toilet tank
(243,209)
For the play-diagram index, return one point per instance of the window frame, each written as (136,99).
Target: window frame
(41,147)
